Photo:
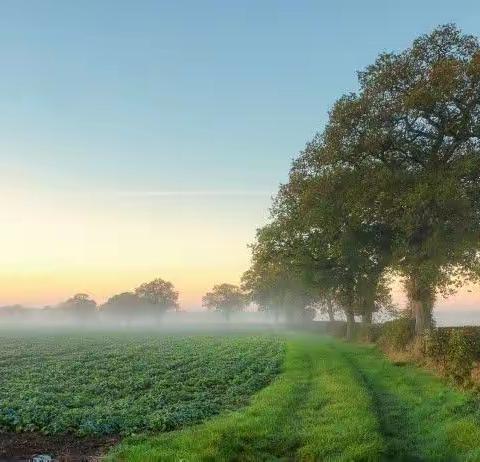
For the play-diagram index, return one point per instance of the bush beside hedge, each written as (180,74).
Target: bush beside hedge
(397,334)
(455,350)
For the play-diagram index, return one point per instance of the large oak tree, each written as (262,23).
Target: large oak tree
(412,135)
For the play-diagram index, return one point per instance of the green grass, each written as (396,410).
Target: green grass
(98,384)
(333,402)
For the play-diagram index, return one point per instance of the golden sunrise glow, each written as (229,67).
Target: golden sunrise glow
(53,246)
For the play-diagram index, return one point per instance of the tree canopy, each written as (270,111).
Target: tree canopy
(412,136)
(225,298)
(158,293)
(390,186)
(79,305)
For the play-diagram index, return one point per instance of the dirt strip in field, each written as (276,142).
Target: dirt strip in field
(19,447)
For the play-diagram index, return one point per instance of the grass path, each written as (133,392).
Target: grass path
(335,402)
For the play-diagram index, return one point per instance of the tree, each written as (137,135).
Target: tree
(225,298)
(158,293)
(80,305)
(326,306)
(126,306)
(412,137)
(275,281)
(341,256)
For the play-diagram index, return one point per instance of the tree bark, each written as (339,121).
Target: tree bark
(366,326)
(367,318)
(421,300)
(350,325)
(331,314)
(423,316)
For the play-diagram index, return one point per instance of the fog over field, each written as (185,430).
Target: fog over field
(14,317)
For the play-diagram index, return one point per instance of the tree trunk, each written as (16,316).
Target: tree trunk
(277,315)
(423,316)
(421,300)
(350,324)
(367,319)
(331,314)
(366,332)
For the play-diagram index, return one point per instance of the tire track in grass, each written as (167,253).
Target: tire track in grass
(279,441)
(333,402)
(340,424)
(395,424)
(422,418)
(316,410)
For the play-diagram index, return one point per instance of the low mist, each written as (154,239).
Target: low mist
(18,317)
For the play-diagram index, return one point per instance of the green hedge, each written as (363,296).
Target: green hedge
(397,334)
(455,348)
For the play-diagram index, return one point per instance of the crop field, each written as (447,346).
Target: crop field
(249,397)
(333,402)
(123,384)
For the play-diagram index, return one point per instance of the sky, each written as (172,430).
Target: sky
(143,139)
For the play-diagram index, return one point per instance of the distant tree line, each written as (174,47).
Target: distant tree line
(149,300)
(390,187)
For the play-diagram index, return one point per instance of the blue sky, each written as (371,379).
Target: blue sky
(179,95)
(211,99)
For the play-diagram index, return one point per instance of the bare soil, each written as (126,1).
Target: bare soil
(21,447)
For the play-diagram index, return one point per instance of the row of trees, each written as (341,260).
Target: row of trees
(390,187)
(154,298)
(151,298)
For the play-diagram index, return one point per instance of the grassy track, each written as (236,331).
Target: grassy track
(332,402)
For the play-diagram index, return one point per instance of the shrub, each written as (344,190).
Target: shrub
(460,356)
(456,349)
(397,334)
(436,345)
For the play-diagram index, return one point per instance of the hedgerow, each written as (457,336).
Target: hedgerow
(455,350)
(397,334)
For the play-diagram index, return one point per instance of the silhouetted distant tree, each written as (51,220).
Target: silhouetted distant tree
(80,306)
(125,306)
(225,298)
(160,294)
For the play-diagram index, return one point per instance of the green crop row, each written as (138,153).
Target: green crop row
(124,384)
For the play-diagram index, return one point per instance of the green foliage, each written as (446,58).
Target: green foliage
(460,356)
(436,345)
(109,384)
(316,410)
(159,294)
(333,402)
(392,183)
(397,334)
(456,350)
(226,298)
(410,135)
(276,282)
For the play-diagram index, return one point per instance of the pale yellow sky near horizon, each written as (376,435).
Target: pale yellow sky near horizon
(57,243)
(54,244)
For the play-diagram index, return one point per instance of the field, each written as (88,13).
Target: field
(123,384)
(221,400)
(333,402)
